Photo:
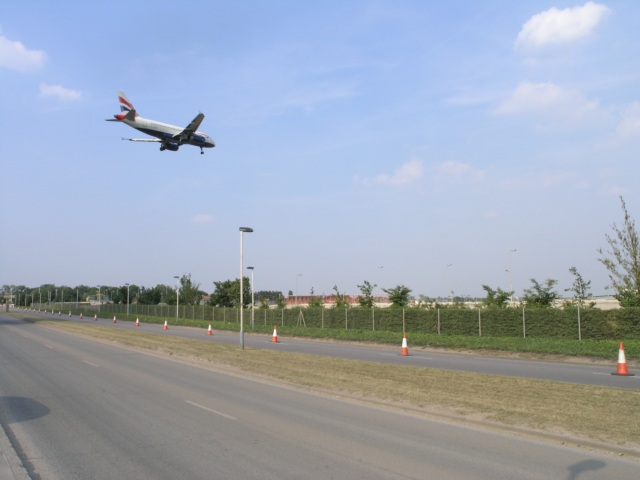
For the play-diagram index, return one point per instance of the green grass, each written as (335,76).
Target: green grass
(533,346)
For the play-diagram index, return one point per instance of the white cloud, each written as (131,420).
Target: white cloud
(15,56)
(310,97)
(202,218)
(543,180)
(629,126)
(409,172)
(555,26)
(613,191)
(530,98)
(62,93)
(453,170)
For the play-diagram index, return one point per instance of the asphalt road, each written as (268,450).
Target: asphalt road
(586,374)
(75,408)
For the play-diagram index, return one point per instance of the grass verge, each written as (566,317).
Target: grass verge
(598,414)
(530,346)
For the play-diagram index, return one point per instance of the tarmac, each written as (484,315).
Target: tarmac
(11,467)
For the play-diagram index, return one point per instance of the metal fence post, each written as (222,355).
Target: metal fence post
(373,317)
(579,327)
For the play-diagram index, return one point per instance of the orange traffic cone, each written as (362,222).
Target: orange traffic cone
(137,322)
(80,315)
(95,317)
(209,331)
(622,363)
(274,339)
(166,327)
(114,320)
(405,350)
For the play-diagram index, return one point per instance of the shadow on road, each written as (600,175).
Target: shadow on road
(21,409)
(584,466)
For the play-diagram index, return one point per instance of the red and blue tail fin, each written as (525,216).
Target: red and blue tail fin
(125,104)
(127,111)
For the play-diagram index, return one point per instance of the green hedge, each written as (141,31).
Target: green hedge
(557,323)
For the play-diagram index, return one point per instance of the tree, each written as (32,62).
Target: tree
(341,301)
(190,292)
(270,295)
(264,303)
(496,298)
(541,295)
(398,296)
(366,299)
(151,296)
(580,288)
(227,293)
(315,301)
(623,260)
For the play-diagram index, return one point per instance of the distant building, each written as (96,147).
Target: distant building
(330,300)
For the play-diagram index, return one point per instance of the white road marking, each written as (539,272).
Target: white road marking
(92,364)
(210,410)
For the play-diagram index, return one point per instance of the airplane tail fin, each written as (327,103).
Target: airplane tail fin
(127,112)
(126,106)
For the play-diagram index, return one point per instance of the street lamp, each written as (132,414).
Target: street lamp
(177,296)
(242,231)
(253,302)
(127,285)
(99,295)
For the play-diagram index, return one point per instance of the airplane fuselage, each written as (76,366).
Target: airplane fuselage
(166,132)
(170,137)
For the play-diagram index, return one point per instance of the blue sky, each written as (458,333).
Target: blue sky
(427,138)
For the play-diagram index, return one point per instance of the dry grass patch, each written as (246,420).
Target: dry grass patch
(597,413)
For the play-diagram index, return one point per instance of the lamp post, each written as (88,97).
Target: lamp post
(449,265)
(177,295)
(242,231)
(253,302)
(127,285)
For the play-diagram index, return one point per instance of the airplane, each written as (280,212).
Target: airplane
(170,137)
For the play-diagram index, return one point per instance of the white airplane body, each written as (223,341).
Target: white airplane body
(170,137)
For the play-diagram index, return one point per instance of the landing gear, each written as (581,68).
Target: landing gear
(201,151)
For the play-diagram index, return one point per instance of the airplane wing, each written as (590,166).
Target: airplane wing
(190,130)
(195,123)
(142,139)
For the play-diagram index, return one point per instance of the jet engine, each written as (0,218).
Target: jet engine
(169,146)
